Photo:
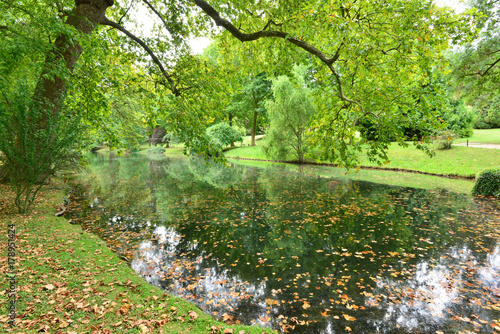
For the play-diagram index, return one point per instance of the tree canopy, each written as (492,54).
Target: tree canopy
(369,60)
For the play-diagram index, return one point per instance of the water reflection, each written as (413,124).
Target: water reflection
(300,253)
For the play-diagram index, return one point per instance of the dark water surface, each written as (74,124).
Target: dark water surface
(300,253)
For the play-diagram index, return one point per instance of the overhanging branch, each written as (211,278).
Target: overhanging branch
(168,77)
(244,37)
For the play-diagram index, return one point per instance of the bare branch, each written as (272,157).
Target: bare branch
(168,77)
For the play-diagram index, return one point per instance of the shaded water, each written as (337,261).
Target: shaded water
(297,252)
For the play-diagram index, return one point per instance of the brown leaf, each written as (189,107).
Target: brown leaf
(228,331)
(193,315)
(48,287)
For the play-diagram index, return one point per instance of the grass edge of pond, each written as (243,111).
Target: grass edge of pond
(96,292)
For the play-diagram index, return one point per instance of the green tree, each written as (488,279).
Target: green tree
(222,135)
(364,69)
(289,112)
(249,103)
(476,64)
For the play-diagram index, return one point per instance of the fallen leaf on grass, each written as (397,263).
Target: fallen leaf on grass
(193,315)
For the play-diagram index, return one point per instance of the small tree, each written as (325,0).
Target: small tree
(35,144)
(222,135)
(289,115)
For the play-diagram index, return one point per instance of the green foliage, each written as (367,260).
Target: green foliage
(459,119)
(487,183)
(475,64)
(487,112)
(444,139)
(249,105)
(222,135)
(289,112)
(35,145)
(156,150)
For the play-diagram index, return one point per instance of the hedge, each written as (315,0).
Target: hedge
(487,182)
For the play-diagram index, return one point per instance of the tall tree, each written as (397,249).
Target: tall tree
(290,112)
(249,103)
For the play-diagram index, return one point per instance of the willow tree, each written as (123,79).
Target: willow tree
(289,112)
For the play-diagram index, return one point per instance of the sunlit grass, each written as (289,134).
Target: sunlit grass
(490,136)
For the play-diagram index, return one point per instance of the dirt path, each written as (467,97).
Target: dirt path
(481,145)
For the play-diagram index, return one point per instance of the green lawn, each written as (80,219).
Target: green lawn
(490,136)
(462,161)
(69,281)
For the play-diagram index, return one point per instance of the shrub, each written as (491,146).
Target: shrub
(444,139)
(35,145)
(222,134)
(488,183)
(156,150)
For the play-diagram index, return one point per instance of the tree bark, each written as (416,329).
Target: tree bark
(254,127)
(51,87)
(231,125)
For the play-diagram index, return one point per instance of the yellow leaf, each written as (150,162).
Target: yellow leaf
(348,317)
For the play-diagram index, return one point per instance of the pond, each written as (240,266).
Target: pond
(298,252)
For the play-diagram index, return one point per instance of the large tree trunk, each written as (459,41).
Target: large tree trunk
(51,87)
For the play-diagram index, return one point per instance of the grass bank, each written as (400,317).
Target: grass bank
(460,160)
(68,281)
(489,136)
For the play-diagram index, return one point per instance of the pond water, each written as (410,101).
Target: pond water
(297,252)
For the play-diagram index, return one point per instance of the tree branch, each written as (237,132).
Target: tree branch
(169,29)
(126,12)
(210,11)
(489,68)
(168,77)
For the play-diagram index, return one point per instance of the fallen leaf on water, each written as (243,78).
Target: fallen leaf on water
(348,317)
